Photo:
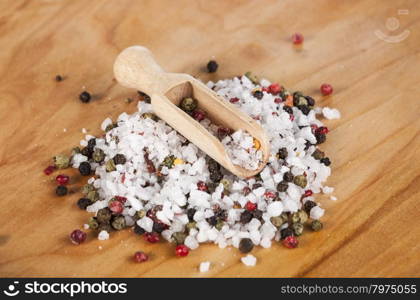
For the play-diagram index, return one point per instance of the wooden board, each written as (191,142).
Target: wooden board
(372,230)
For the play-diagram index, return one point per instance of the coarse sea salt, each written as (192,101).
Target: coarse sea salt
(169,179)
(204,266)
(249,260)
(331,113)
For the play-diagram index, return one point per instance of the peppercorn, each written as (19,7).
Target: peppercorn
(254,79)
(226,184)
(300,180)
(212,221)
(190,213)
(304,109)
(310,100)
(110,127)
(104,215)
(277,221)
(258,94)
(140,257)
(282,153)
(288,176)
(77,237)
(119,159)
(257,214)
(320,138)
(318,154)
(91,143)
(212,66)
(188,104)
(61,161)
(82,203)
(128,100)
(140,214)
(138,230)
(58,78)
(299,217)
(75,151)
(246,245)
(182,250)
(190,225)
(98,155)
(316,225)
(178,238)
(308,205)
(326,161)
(87,188)
(296,95)
(87,151)
(297,228)
(61,190)
(150,115)
(85,97)
(169,161)
(110,165)
(219,225)
(282,186)
(104,226)
(220,214)
(159,227)
(246,217)
(290,242)
(216,176)
(326,89)
(84,168)
(288,109)
(93,223)
(118,222)
(285,232)
(213,165)
(144,97)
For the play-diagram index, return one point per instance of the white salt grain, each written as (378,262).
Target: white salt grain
(331,113)
(249,260)
(103,235)
(204,266)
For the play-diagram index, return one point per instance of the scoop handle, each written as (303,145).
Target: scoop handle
(136,68)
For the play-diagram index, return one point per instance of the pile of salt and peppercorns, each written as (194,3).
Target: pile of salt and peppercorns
(288,224)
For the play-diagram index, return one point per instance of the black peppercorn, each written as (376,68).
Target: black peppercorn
(82,203)
(85,97)
(216,176)
(288,109)
(246,245)
(212,66)
(320,138)
(304,109)
(311,101)
(212,220)
(84,168)
(308,206)
(282,153)
(318,154)
(158,227)
(296,95)
(92,143)
(87,151)
(105,226)
(190,213)
(326,161)
(284,233)
(58,78)
(61,190)
(282,186)
(213,165)
(246,217)
(138,230)
(119,159)
(257,214)
(144,97)
(258,94)
(288,176)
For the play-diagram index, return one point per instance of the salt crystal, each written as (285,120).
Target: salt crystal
(103,235)
(331,113)
(204,266)
(249,260)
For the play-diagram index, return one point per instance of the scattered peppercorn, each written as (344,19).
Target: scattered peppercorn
(179,238)
(140,257)
(326,161)
(320,138)
(104,227)
(77,236)
(285,232)
(297,38)
(104,215)
(118,222)
(326,89)
(282,186)
(61,161)
(212,221)
(85,97)
(82,203)
(110,165)
(282,153)
(300,180)
(288,176)
(250,206)
(152,237)
(144,97)
(169,161)
(138,230)
(318,154)
(119,159)
(159,227)
(257,214)
(216,176)
(290,242)
(61,190)
(277,221)
(110,127)
(199,115)
(62,179)
(191,225)
(98,155)
(188,104)
(310,100)
(150,115)
(288,109)
(48,170)
(297,228)
(212,66)
(181,250)
(87,188)
(87,151)
(308,205)
(258,94)
(116,207)
(246,217)
(84,168)
(58,78)
(304,109)
(93,223)
(246,245)
(316,225)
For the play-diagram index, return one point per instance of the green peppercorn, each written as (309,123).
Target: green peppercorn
(118,222)
(318,154)
(93,196)
(254,79)
(301,101)
(169,161)
(104,215)
(300,180)
(98,155)
(93,223)
(297,228)
(226,184)
(111,126)
(246,245)
(119,159)
(285,232)
(285,217)
(188,104)
(276,221)
(140,214)
(110,166)
(150,115)
(316,225)
(191,225)
(299,217)
(104,226)
(296,96)
(61,161)
(87,188)
(178,238)
(282,186)
(75,150)
(219,225)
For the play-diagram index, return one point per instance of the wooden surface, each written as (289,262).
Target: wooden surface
(372,230)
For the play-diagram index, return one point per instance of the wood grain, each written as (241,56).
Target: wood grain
(372,230)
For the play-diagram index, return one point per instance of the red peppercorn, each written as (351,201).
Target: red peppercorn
(121,199)
(246,190)
(308,193)
(140,257)
(234,100)
(199,115)
(116,207)
(151,237)
(297,38)
(326,89)
(322,130)
(250,206)
(290,242)
(181,250)
(77,236)
(62,179)
(314,127)
(48,170)
(202,186)
(278,100)
(264,89)
(270,195)
(274,88)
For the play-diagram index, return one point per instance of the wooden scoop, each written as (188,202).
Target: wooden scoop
(136,68)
